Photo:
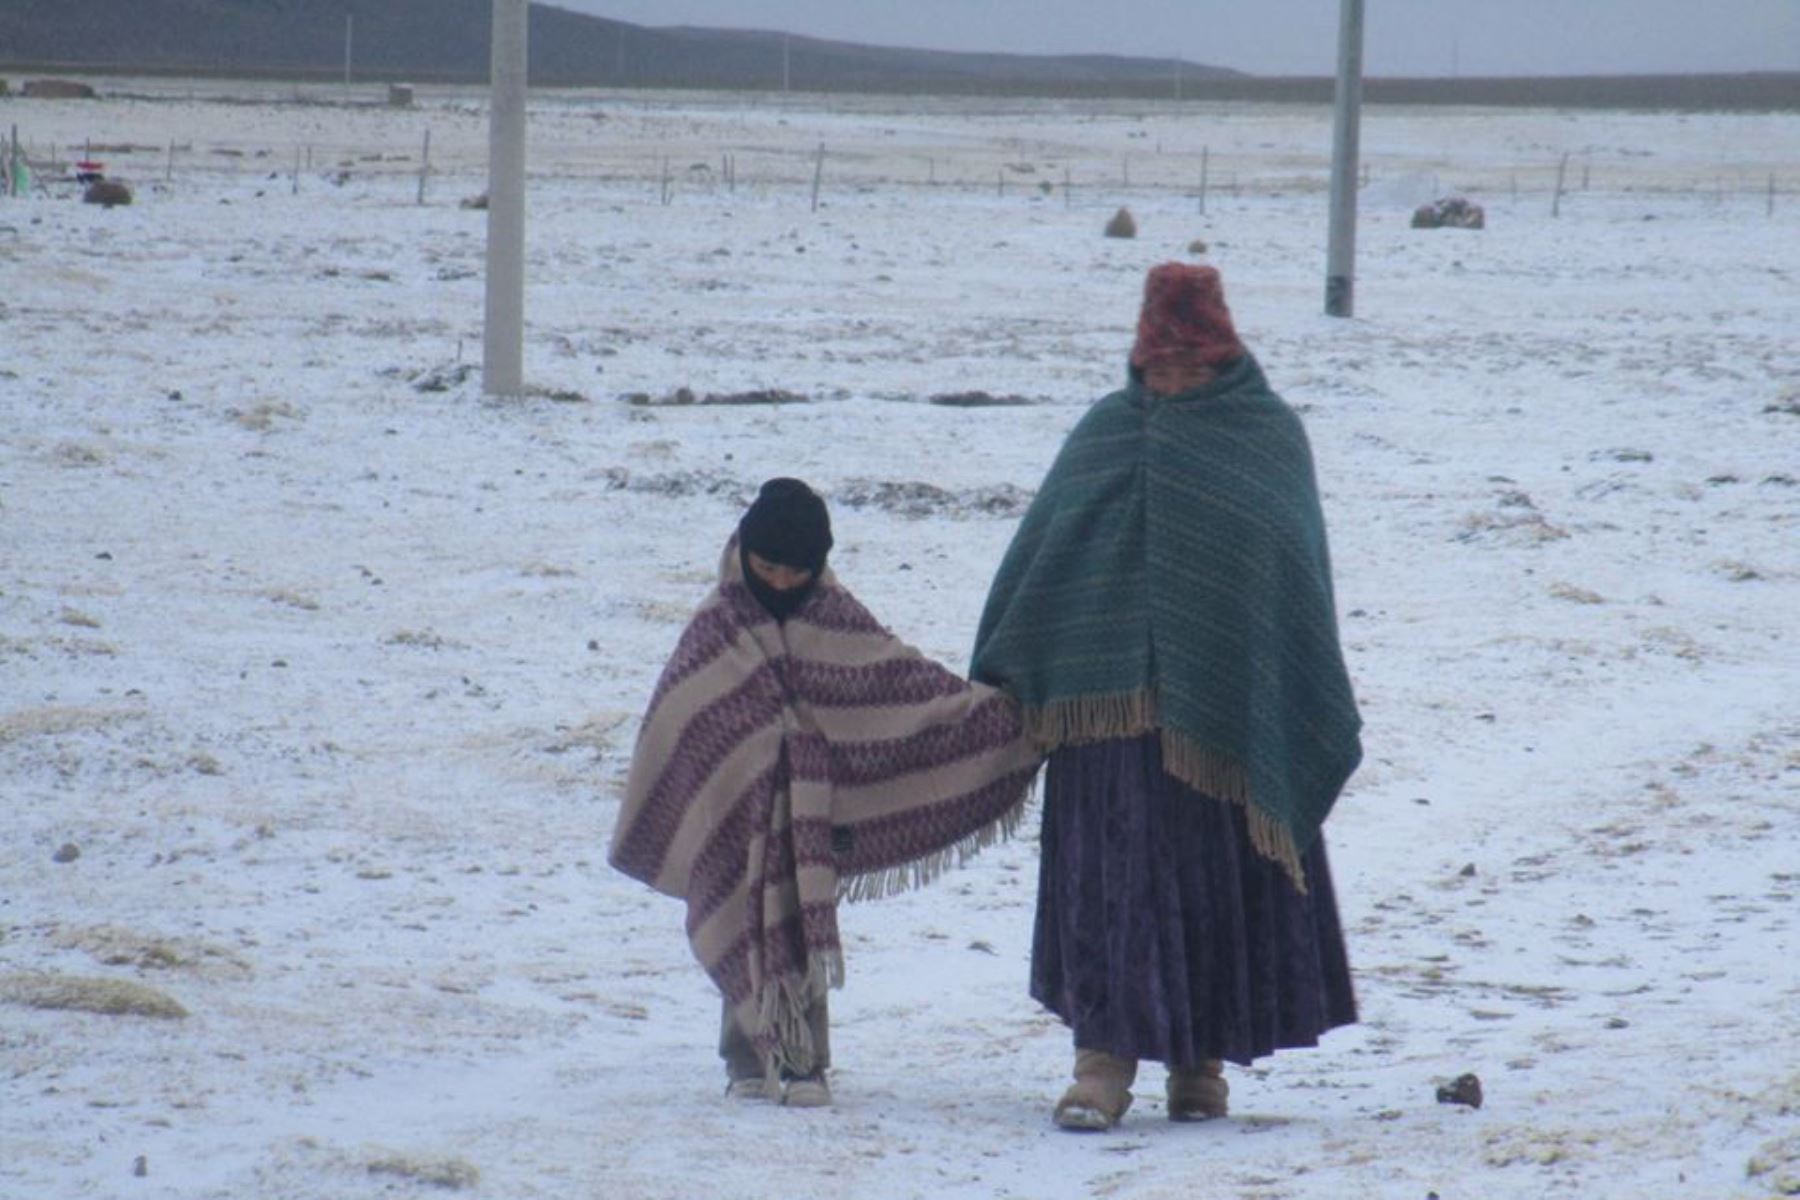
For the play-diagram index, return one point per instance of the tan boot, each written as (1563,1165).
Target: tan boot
(1100,1094)
(810,1091)
(1198,1094)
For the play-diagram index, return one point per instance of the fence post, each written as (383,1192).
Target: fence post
(1205,154)
(1068,189)
(1562,167)
(1771,211)
(424,165)
(818,174)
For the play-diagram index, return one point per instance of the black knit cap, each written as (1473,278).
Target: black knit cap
(788,524)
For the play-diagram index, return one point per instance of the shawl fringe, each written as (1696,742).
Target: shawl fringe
(781,1014)
(891,881)
(1081,720)
(1084,720)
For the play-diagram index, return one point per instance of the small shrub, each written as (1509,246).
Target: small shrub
(108,193)
(1452,212)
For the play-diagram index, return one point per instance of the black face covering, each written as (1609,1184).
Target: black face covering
(788,524)
(777,603)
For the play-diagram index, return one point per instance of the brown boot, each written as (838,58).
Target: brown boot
(1100,1094)
(1198,1094)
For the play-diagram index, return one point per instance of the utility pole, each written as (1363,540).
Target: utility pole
(1340,258)
(787,76)
(349,29)
(503,328)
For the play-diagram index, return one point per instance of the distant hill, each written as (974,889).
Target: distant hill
(447,41)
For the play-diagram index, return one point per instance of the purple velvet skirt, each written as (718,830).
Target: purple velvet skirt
(1161,934)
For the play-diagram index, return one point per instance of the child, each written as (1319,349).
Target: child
(795,750)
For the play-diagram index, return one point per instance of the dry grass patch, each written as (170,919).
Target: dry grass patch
(262,417)
(597,733)
(452,1173)
(77,993)
(74,454)
(54,719)
(116,946)
(290,599)
(1776,1166)
(422,639)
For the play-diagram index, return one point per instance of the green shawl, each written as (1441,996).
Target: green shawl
(1172,574)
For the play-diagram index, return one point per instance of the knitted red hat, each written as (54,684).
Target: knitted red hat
(1184,322)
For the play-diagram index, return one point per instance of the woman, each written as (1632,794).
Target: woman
(1165,617)
(795,749)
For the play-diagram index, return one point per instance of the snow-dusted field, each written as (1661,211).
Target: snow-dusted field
(327,667)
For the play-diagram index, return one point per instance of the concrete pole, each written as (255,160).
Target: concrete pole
(1340,258)
(503,330)
(424,165)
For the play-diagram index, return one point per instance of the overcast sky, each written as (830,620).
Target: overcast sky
(1292,37)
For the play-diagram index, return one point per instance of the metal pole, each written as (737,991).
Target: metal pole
(503,329)
(424,165)
(787,77)
(1340,257)
(349,26)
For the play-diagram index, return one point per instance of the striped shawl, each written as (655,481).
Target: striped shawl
(1172,575)
(782,765)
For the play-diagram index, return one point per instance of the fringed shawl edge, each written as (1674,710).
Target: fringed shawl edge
(1084,720)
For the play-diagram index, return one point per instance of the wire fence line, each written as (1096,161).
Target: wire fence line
(655,147)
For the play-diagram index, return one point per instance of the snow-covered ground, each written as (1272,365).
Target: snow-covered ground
(328,667)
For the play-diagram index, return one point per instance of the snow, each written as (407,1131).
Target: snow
(332,680)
